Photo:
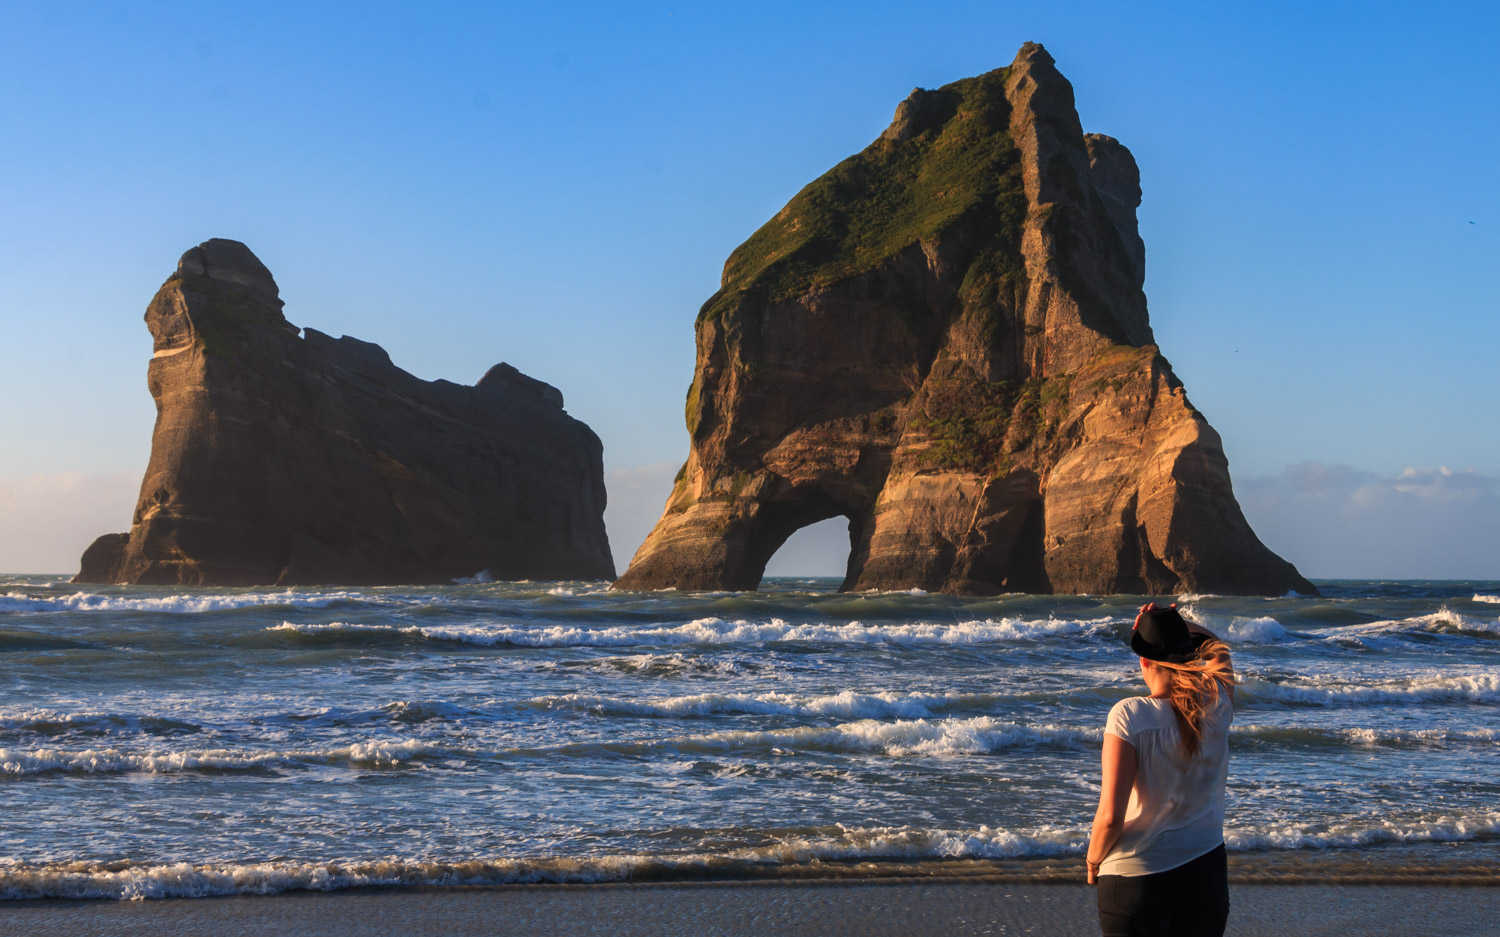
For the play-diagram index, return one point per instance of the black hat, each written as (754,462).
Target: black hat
(1162,634)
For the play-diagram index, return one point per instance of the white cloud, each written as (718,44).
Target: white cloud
(1334,521)
(46,521)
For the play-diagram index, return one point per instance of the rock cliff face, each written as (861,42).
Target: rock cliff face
(944,339)
(288,459)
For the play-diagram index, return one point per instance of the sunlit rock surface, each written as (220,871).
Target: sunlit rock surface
(945,340)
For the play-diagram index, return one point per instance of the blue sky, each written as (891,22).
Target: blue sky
(557,186)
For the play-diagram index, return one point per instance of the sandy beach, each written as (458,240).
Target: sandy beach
(731,910)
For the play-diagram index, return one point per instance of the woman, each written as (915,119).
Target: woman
(1157,849)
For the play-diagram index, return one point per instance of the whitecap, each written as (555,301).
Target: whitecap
(1466,688)
(377,753)
(719,631)
(1443,621)
(920,737)
(142,881)
(1263,630)
(846,704)
(1362,736)
(172,604)
(785,852)
(1364,832)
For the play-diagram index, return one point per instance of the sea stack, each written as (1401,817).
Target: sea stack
(297,459)
(944,339)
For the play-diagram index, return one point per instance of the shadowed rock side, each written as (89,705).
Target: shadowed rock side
(944,339)
(288,459)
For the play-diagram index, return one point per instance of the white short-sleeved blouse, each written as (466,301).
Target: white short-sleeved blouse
(1176,810)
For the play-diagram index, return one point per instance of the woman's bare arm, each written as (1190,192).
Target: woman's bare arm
(1118,778)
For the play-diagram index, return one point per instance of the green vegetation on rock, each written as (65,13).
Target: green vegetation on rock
(976,426)
(967,422)
(953,160)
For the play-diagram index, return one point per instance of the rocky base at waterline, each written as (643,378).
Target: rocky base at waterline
(286,458)
(945,340)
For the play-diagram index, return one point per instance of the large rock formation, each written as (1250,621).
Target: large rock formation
(288,459)
(944,339)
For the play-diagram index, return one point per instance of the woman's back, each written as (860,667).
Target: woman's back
(1176,808)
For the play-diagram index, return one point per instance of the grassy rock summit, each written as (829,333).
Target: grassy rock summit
(290,459)
(944,339)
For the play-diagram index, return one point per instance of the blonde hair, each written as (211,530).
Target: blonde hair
(1194,686)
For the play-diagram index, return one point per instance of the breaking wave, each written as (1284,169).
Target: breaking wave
(786,856)
(177,604)
(1236,629)
(1314,736)
(669,664)
(920,737)
(846,704)
(825,852)
(719,631)
(1256,631)
(55,722)
(114,761)
(1347,834)
(1472,688)
(1442,621)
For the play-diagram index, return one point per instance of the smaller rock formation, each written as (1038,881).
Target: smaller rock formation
(290,459)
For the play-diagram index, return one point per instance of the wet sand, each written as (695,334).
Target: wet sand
(758,908)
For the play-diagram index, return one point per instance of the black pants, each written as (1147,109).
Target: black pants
(1191,900)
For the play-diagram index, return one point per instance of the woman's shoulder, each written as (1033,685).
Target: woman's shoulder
(1134,704)
(1135,713)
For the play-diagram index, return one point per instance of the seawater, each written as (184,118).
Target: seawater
(182,742)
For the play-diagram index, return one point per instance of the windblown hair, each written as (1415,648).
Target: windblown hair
(1194,689)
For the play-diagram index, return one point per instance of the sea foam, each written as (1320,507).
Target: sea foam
(720,631)
(845,704)
(1443,621)
(174,604)
(920,737)
(1257,631)
(788,854)
(14,761)
(1349,833)
(1465,688)
(1237,629)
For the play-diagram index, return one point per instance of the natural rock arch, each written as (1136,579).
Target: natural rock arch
(778,523)
(945,339)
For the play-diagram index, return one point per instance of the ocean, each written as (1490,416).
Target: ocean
(179,742)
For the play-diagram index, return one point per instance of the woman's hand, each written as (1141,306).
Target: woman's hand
(1148,607)
(1093,870)
(1151,607)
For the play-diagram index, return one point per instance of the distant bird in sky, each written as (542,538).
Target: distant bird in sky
(1471,222)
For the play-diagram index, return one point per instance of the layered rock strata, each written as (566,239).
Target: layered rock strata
(944,339)
(286,458)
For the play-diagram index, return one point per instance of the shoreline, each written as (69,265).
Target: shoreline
(914,908)
(1466,865)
